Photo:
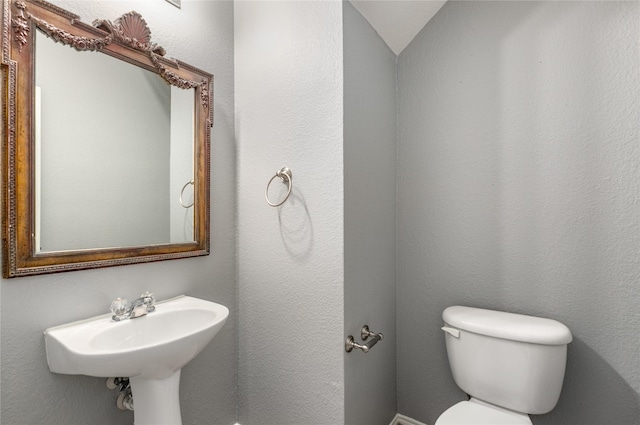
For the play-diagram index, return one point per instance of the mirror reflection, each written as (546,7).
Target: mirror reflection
(113,161)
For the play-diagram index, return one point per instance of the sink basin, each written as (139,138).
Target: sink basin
(149,350)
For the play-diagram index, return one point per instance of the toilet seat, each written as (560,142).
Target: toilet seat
(476,412)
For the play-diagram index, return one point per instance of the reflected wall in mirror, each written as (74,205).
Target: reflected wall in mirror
(106,144)
(118,185)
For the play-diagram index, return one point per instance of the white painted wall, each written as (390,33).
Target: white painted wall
(369,220)
(397,22)
(289,112)
(518,188)
(201,33)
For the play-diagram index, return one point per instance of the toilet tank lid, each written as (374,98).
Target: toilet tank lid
(500,324)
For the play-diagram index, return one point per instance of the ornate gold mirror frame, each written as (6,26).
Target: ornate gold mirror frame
(127,39)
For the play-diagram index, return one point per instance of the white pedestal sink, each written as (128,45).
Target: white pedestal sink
(149,350)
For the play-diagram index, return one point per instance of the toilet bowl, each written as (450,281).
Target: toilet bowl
(477,412)
(511,365)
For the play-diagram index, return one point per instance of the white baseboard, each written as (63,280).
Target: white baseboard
(404,420)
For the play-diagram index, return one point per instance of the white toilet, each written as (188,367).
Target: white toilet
(511,365)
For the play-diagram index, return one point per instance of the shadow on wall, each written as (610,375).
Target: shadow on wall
(600,385)
(296,228)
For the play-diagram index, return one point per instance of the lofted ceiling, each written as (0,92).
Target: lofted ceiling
(398,21)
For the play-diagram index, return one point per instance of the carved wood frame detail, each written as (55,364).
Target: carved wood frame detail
(128,38)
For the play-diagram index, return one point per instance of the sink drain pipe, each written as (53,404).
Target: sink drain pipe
(125,397)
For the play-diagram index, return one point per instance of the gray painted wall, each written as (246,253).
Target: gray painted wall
(518,162)
(518,188)
(369,219)
(289,112)
(31,395)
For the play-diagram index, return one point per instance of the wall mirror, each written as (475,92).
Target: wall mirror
(105,144)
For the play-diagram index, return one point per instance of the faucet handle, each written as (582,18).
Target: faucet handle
(149,301)
(119,308)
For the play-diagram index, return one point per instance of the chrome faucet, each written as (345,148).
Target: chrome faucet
(122,309)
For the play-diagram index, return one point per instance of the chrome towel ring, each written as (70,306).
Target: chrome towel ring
(191,182)
(286,176)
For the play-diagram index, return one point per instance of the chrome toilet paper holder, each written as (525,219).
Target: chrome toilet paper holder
(365,334)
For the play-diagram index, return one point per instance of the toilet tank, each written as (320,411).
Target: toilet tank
(510,360)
